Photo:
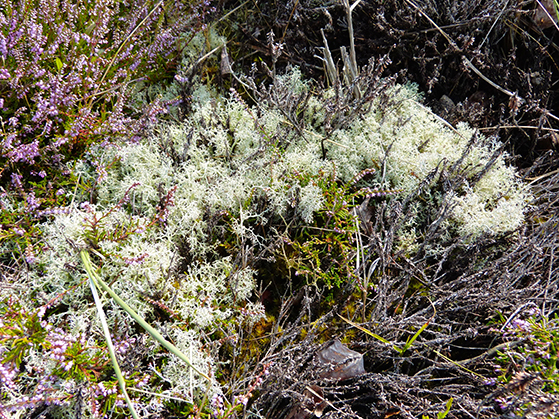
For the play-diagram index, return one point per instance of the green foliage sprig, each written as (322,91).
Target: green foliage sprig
(538,352)
(19,331)
(325,250)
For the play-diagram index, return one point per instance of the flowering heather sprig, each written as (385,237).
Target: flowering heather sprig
(30,257)
(66,70)
(21,332)
(16,181)
(378,192)
(244,398)
(123,345)
(218,404)
(258,312)
(166,202)
(276,48)
(100,167)
(490,382)
(29,402)
(25,153)
(53,211)
(532,359)
(87,207)
(8,374)
(166,309)
(31,201)
(138,260)
(361,175)
(504,402)
(241,101)
(65,360)
(60,342)
(97,230)
(94,221)
(102,390)
(18,231)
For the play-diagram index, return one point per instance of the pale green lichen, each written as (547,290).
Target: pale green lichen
(311,200)
(226,162)
(206,292)
(411,142)
(185,383)
(194,46)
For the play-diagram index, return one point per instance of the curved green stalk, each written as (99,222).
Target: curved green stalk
(169,346)
(87,263)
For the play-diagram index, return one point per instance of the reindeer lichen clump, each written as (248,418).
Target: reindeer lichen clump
(178,221)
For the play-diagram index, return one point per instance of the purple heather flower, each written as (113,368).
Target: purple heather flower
(32,202)
(520,324)
(19,231)
(53,211)
(30,256)
(86,206)
(67,365)
(140,230)
(217,406)
(25,152)
(8,374)
(533,311)
(138,260)
(490,381)
(503,402)
(8,141)
(144,381)
(16,180)
(181,79)
(242,399)
(3,48)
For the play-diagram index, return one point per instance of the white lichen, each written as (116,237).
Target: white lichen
(228,163)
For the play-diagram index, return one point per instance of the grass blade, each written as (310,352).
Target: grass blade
(85,259)
(154,333)
(383,340)
(409,342)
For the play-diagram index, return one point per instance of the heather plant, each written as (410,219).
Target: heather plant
(527,367)
(178,219)
(80,357)
(67,72)
(325,252)
(59,364)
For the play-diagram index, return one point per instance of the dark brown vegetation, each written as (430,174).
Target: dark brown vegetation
(430,43)
(495,65)
(427,334)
